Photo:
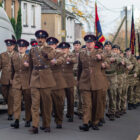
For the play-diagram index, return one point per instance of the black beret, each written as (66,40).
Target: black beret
(90,38)
(116,46)
(59,47)
(52,40)
(22,43)
(138,57)
(108,43)
(127,49)
(84,46)
(10,42)
(41,34)
(76,42)
(64,45)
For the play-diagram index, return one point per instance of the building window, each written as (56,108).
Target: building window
(25,16)
(13,9)
(3,4)
(33,15)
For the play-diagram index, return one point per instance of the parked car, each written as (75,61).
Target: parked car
(6,32)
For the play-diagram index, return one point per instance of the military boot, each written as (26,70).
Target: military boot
(134,106)
(34,130)
(95,127)
(84,127)
(59,126)
(102,120)
(112,117)
(130,106)
(117,115)
(108,115)
(100,124)
(47,129)
(10,117)
(70,119)
(15,124)
(27,124)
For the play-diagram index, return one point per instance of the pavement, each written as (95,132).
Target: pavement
(125,128)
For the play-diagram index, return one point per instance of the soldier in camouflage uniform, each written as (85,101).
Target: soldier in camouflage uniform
(128,66)
(77,98)
(120,77)
(111,74)
(137,88)
(131,79)
(123,65)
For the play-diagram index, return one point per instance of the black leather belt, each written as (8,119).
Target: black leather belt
(110,72)
(41,67)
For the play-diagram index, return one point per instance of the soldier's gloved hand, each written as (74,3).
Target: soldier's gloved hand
(130,67)
(112,59)
(44,54)
(99,57)
(26,64)
(123,63)
(103,65)
(135,75)
(11,82)
(53,62)
(68,59)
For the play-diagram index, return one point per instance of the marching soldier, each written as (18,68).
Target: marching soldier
(67,69)
(120,78)
(41,81)
(137,90)
(112,78)
(58,92)
(124,89)
(6,76)
(124,65)
(78,100)
(20,83)
(90,77)
(132,75)
(105,65)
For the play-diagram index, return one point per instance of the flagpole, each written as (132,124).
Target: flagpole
(94,19)
(135,47)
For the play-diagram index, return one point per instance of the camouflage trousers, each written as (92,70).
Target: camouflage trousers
(124,94)
(112,93)
(120,81)
(137,93)
(77,99)
(131,88)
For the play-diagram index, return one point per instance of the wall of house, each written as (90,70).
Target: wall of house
(48,23)
(52,24)
(58,25)
(78,31)
(28,28)
(70,30)
(8,7)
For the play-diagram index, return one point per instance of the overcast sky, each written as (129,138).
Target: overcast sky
(109,12)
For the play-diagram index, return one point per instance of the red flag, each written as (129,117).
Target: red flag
(98,28)
(132,37)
